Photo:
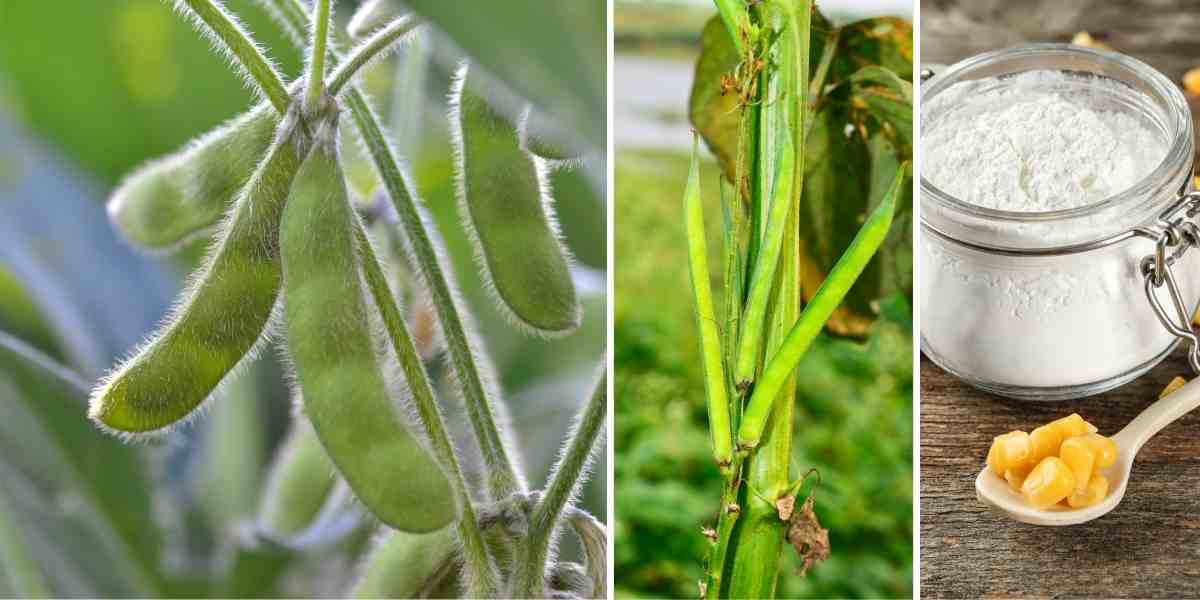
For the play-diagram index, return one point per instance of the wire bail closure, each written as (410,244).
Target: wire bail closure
(1179,234)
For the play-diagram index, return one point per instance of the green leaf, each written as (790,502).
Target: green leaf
(551,53)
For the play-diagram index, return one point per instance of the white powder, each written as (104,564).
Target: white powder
(1037,142)
(1030,146)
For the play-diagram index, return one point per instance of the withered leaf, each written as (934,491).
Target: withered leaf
(806,535)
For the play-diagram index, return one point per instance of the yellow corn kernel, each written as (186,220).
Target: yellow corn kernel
(1079,457)
(1048,483)
(1008,450)
(1103,448)
(1044,442)
(1016,476)
(1096,490)
(1072,425)
(1171,387)
(1191,81)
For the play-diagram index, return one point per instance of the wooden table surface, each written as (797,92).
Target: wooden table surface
(1149,546)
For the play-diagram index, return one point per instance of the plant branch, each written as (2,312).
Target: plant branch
(373,48)
(211,16)
(503,479)
(568,474)
(483,578)
(316,58)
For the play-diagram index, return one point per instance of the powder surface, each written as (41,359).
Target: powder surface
(1035,143)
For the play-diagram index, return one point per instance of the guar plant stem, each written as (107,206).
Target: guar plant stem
(532,551)
(483,577)
(827,298)
(316,59)
(382,41)
(503,480)
(243,49)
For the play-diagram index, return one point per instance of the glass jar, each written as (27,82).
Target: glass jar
(1067,303)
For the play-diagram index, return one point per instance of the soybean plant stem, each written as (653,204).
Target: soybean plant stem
(483,579)
(503,480)
(316,58)
(382,41)
(243,49)
(567,475)
(736,18)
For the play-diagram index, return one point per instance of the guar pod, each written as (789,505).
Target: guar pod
(169,200)
(221,315)
(506,209)
(330,341)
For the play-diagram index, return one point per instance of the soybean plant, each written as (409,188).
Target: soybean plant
(757,123)
(292,257)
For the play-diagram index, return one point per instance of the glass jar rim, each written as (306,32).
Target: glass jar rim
(1180,126)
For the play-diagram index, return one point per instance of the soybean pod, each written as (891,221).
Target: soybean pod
(408,565)
(762,279)
(827,298)
(299,481)
(168,201)
(223,312)
(506,210)
(338,369)
(706,319)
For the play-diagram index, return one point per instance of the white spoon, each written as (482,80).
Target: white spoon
(994,491)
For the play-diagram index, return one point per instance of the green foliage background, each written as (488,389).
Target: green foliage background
(853,419)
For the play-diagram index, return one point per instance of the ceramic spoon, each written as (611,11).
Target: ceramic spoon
(995,492)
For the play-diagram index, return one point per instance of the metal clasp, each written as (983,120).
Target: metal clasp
(1178,235)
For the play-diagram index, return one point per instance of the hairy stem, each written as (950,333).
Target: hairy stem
(483,578)
(316,59)
(568,474)
(503,479)
(381,42)
(243,49)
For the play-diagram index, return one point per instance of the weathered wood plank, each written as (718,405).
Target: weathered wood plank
(1148,547)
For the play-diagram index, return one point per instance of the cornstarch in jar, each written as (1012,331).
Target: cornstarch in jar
(1036,142)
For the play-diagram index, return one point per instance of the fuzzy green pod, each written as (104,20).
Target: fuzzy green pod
(409,565)
(168,201)
(330,341)
(300,479)
(221,315)
(827,298)
(506,209)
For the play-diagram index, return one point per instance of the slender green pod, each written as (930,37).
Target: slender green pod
(170,200)
(300,479)
(827,298)
(410,565)
(222,314)
(706,318)
(330,341)
(505,205)
(762,279)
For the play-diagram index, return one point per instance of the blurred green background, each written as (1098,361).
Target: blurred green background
(854,413)
(88,91)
